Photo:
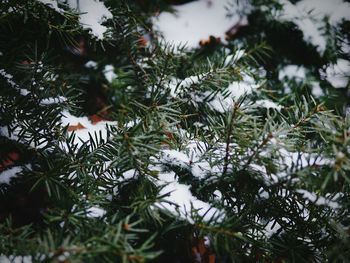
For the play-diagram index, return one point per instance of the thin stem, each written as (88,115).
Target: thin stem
(228,138)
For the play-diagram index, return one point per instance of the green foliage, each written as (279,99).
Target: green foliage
(279,176)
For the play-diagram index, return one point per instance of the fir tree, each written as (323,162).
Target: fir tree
(116,146)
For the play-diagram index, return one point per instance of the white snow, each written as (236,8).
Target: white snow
(177,85)
(218,103)
(69,119)
(287,160)
(63,257)
(176,158)
(318,200)
(271,228)
(179,195)
(8,78)
(108,71)
(180,201)
(194,165)
(83,135)
(95,212)
(13,172)
(24,92)
(49,101)
(268,104)
(309,16)
(316,89)
(7,175)
(198,20)
(347,112)
(91,14)
(15,136)
(129,174)
(245,87)
(15,259)
(335,10)
(49,76)
(192,158)
(290,159)
(338,74)
(292,72)
(91,64)
(263,194)
(234,58)
(345,46)
(234,91)
(52,4)
(217,195)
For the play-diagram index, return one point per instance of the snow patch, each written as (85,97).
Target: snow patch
(180,201)
(316,89)
(335,10)
(317,200)
(24,92)
(176,158)
(7,175)
(292,72)
(8,78)
(271,228)
(234,58)
(217,195)
(95,212)
(233,92)
(192,158)
(268,104)
(263,194)
(16,135)
(338,74)
(49,101)
(198,20)
(83,134)
(108,71)
(52,4)
(92,14)
(309,16)
(15,259)
(290,159)
(177,85)
(91,64)
(240,88)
